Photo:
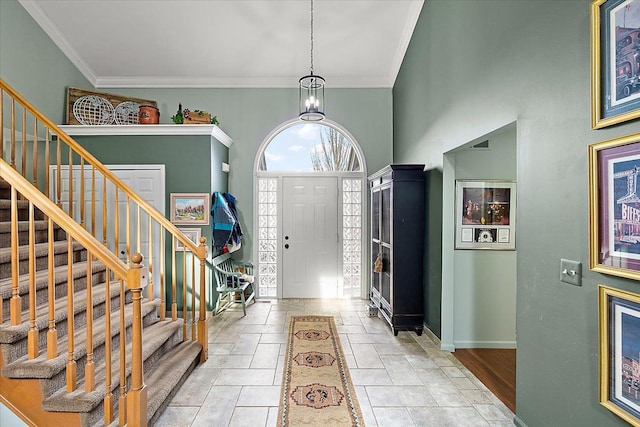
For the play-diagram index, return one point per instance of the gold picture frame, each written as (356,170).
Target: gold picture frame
(614,207)
(615,69)
(619,341)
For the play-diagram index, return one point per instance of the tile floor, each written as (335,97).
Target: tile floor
(400,381)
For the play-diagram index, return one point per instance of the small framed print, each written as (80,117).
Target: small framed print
(485,215)
(614,207)
(615,64)
(619,339)
(190,208)
(193,234)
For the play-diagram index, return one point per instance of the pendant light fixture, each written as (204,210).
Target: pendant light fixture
(311,90)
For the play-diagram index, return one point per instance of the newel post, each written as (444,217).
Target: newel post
(202,320)
(137,279)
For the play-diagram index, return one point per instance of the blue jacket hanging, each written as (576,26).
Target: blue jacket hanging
(223,221)
(236,233)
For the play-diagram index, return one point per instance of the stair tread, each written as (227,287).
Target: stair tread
(59,246)
(41,367)
(42,277)
(38,224)
(12,334)
(82,401)
(168,373)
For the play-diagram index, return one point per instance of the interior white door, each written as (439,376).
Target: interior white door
(309,237)
(148,181)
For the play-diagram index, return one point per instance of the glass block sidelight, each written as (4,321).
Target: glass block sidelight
(267,237)
(351,236)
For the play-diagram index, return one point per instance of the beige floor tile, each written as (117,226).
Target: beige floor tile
(220,348)
(401,380)
(370,377)
(272,418)
(447,417)
(279,338)
(245,377)
(259,395)
(400,396)
(228,361)
(393,417)
(266,356)
(218,407)
(249,417)
(195,389)
(246,344)
(366,356)
(177,416)
(490,412)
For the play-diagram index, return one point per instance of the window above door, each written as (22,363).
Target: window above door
(310,147)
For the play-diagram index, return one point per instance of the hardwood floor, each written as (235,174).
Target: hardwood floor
(496,368)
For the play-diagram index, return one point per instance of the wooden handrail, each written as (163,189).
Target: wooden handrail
(59,217)
(89,158)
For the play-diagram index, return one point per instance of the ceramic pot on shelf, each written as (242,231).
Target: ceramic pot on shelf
(148,115)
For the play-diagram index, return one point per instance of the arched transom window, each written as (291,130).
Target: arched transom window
(310,147)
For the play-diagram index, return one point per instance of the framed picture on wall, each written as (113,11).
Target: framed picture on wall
(614,205)
(615,61)
(485,215)
(193,234)
(619,336)
(190,208)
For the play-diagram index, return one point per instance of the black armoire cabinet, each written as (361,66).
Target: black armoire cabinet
(397,242)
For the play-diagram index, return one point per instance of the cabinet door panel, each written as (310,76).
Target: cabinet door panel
(375,215)
(385,276)
(385,215)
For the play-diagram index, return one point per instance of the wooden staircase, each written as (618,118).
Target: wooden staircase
(81,342)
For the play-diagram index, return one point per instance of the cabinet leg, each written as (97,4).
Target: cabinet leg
(395,331)
(419,331)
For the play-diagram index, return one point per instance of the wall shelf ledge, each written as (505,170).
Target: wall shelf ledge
(166,129)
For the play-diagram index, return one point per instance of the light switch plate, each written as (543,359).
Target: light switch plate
(571,272)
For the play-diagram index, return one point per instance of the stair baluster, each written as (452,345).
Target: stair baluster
(137,396)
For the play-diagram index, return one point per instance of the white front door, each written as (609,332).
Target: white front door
(310,237)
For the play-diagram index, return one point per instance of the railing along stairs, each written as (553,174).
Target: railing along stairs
(78,329)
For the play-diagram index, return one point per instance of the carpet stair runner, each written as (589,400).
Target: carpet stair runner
(167,359)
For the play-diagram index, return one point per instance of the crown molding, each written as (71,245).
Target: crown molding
(231,83)
(405,39)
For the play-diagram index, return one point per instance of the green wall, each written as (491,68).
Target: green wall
(249,115)
(32,64)
(473,67)
(192,165)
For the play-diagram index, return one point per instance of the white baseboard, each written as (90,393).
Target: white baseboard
(518,422)
(448,347)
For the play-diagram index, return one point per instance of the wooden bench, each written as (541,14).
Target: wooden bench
(228,273)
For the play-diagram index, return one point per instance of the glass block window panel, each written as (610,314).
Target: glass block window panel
(351,236)
(267,237)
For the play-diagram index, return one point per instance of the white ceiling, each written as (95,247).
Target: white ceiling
(230,43)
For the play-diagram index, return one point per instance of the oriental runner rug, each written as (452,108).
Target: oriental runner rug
(316,386)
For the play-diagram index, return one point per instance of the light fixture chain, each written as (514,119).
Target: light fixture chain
(311,36)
